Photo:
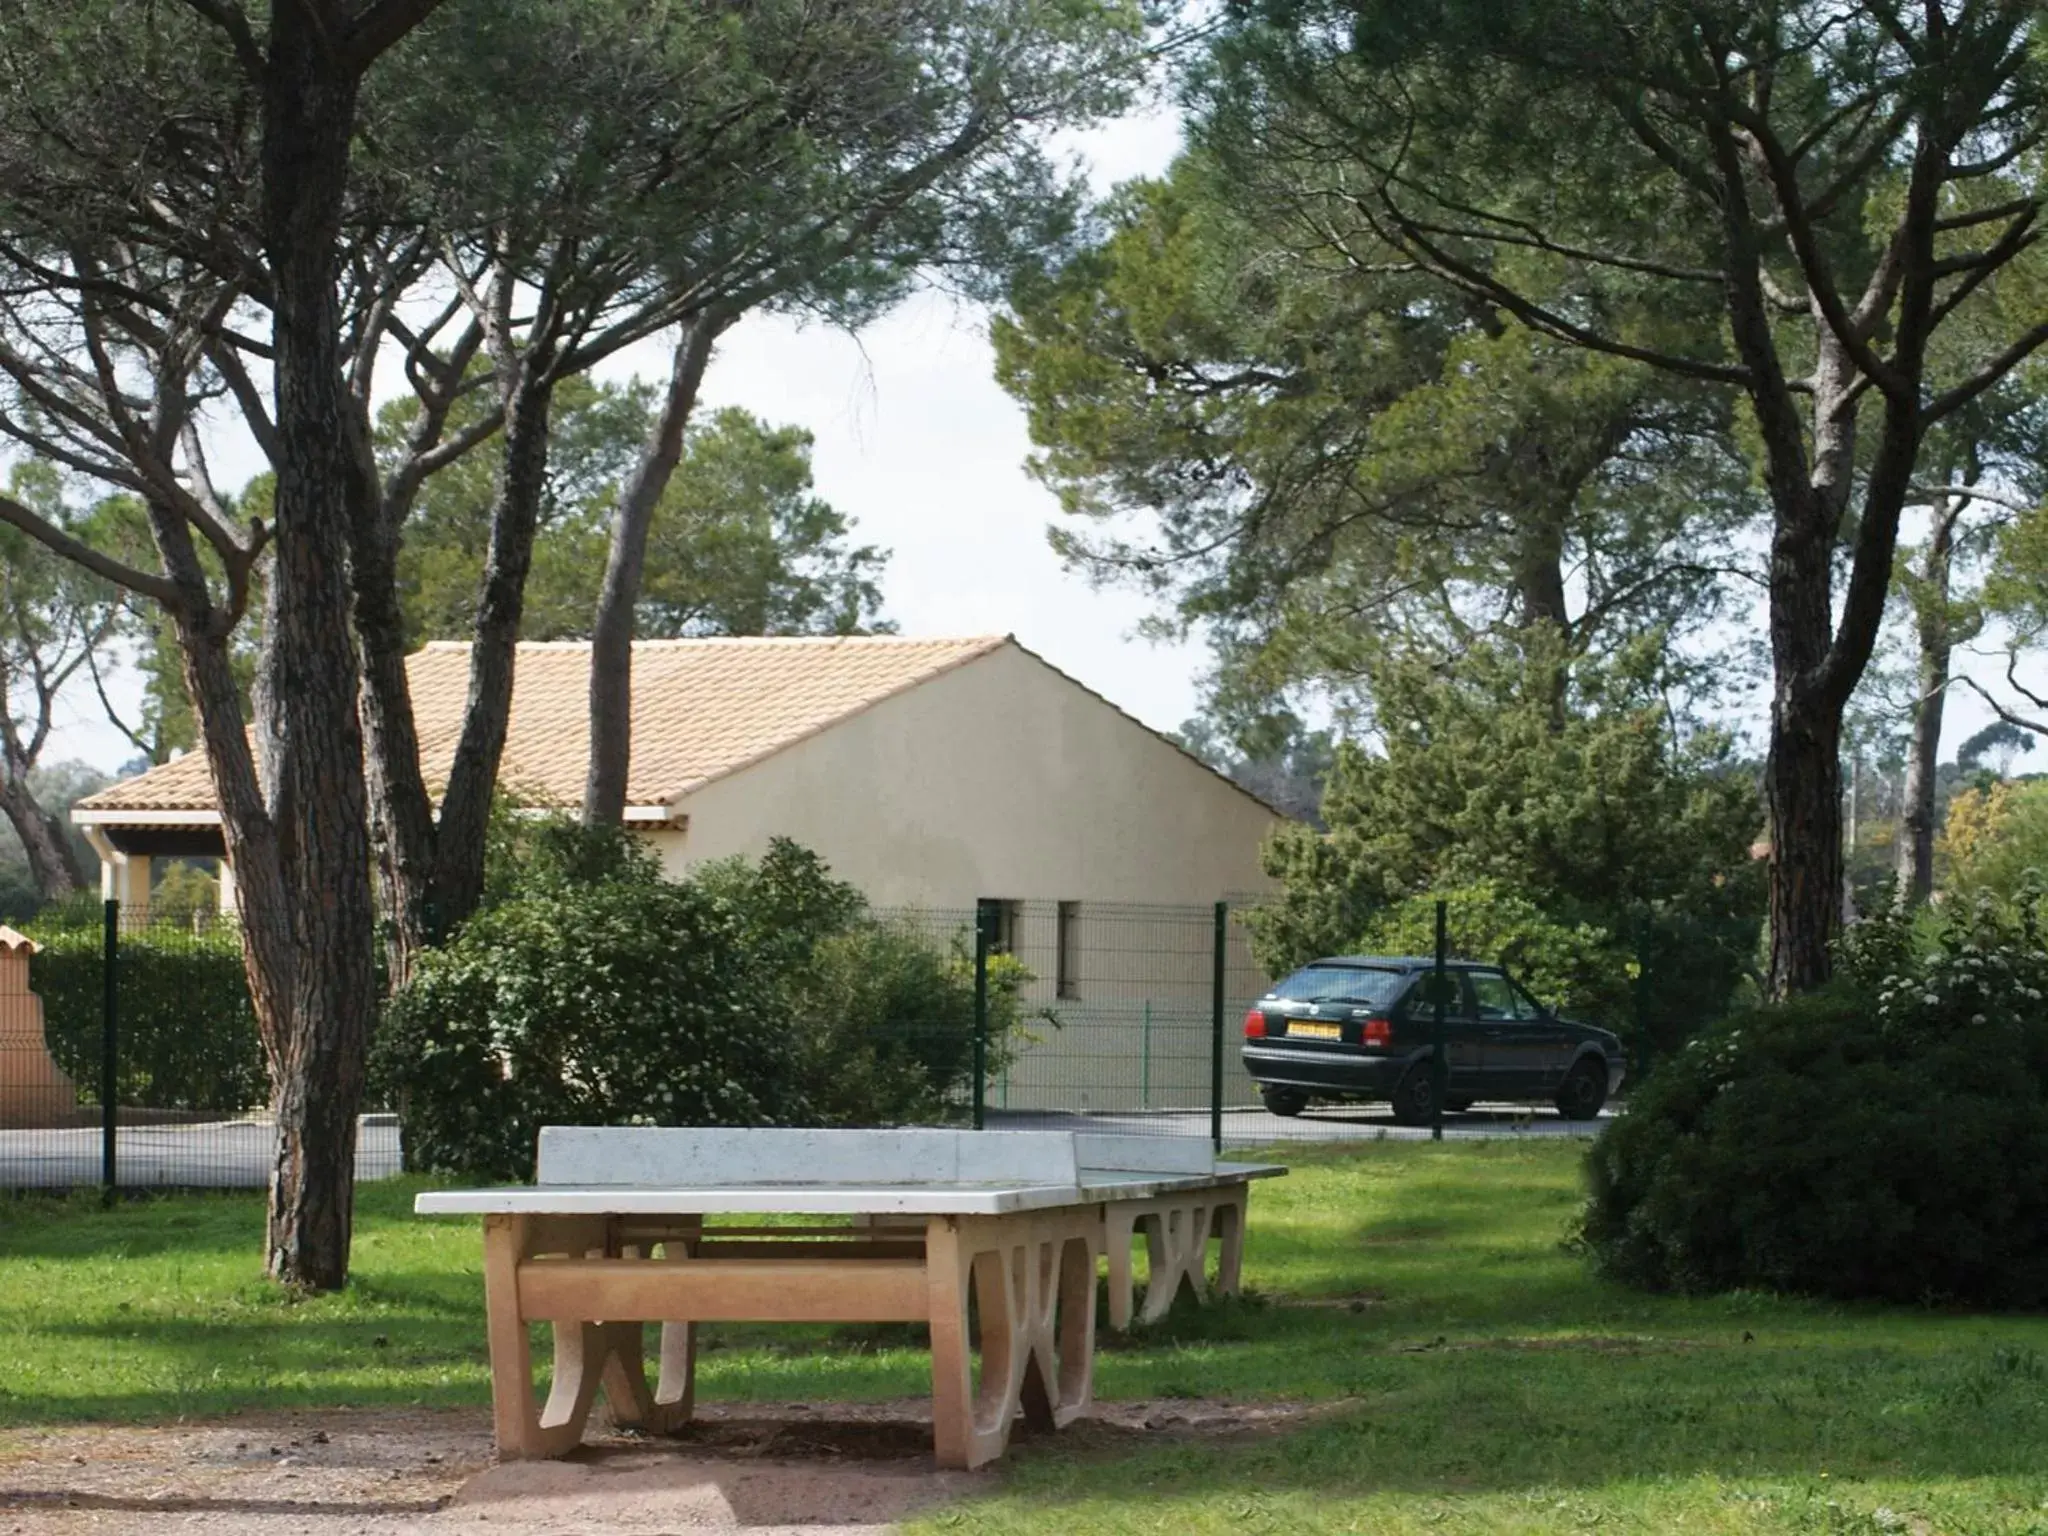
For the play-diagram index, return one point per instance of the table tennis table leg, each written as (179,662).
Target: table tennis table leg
(1227,1222)
(1032,1279)
(1177,1230)
(1117,1234)
(671,1402)
(581,1349)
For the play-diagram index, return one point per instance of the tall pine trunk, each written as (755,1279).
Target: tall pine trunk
(431,869)
(1803,788)
(1803,774)
(464,827)
(317,799)
(401,811)
(611,636)
(1935,632)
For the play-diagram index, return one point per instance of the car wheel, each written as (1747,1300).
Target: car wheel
(1457,1106)
(1415,1097)
(1583,1091)
(1285,1102)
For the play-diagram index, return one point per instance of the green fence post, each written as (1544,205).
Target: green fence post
(1216,1026)
(110,1093)
(1438,1068)
(982,916)
(1145,1059)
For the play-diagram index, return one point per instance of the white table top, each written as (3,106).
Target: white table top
(809,1198)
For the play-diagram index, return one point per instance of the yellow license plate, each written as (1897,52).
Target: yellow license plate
(1306,1029)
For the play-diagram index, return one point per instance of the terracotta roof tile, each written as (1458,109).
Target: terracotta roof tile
(183,784)
(701,709)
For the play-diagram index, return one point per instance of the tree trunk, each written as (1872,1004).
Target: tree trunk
(1803,784)
(52,861)
(1916,820)
(401,811)
(1808,472)
(611,636)
(1545,616)
(1803,775)
(311,672)
(515,518)
(1539,575)
(269,953)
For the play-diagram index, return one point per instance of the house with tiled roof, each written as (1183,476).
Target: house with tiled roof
(927,772)
(932,774)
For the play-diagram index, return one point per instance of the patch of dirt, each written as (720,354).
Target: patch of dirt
(320,1473)
(785,1469)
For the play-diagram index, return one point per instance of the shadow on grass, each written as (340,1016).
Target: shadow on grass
(81,1226)
(174,1368)
(191,1223)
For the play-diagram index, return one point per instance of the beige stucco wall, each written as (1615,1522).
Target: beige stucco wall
(999,778)
(1005,779)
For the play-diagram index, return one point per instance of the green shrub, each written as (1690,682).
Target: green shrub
(526,853)
(591,991)
(1886,1138)
(882,1006)
(627,1000)
(1995,840)
(187,1031)
(886,1020)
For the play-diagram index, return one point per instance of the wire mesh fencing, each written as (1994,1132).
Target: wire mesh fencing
(129,1054)
(129,1057)
(1120,1009)
(894,1019)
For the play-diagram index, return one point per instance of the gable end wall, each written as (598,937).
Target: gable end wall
(999,778)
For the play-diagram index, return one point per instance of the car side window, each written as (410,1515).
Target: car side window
(1494,997)
(1531,1009)
(1422,996)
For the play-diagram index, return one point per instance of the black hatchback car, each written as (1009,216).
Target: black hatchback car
(1357,1027)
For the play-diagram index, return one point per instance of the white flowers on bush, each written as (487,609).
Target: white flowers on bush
(1986,965)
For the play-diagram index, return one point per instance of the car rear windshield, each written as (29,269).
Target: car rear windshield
(1367,986)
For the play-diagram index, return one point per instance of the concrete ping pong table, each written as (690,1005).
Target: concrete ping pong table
(615,1234)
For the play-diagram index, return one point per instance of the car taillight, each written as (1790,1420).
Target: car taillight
(1254,1025)
(1378,1032)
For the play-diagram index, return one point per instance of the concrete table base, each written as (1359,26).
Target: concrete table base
(992,1239)
(599,1280)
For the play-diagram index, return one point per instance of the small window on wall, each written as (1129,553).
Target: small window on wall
(1005,921)
(1069,963)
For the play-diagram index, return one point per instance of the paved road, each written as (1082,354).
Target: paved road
(236,1154)
(228,1154)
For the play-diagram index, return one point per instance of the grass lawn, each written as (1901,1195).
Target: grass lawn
(1476,1378)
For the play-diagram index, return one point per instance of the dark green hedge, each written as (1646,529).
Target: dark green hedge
(187,1031)
(587,1005)
(1830,1147)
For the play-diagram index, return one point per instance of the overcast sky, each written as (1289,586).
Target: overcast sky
(918,445)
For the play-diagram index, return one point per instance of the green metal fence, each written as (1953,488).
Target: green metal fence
(1126,1010)
(132,1060)
(1009,1013)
